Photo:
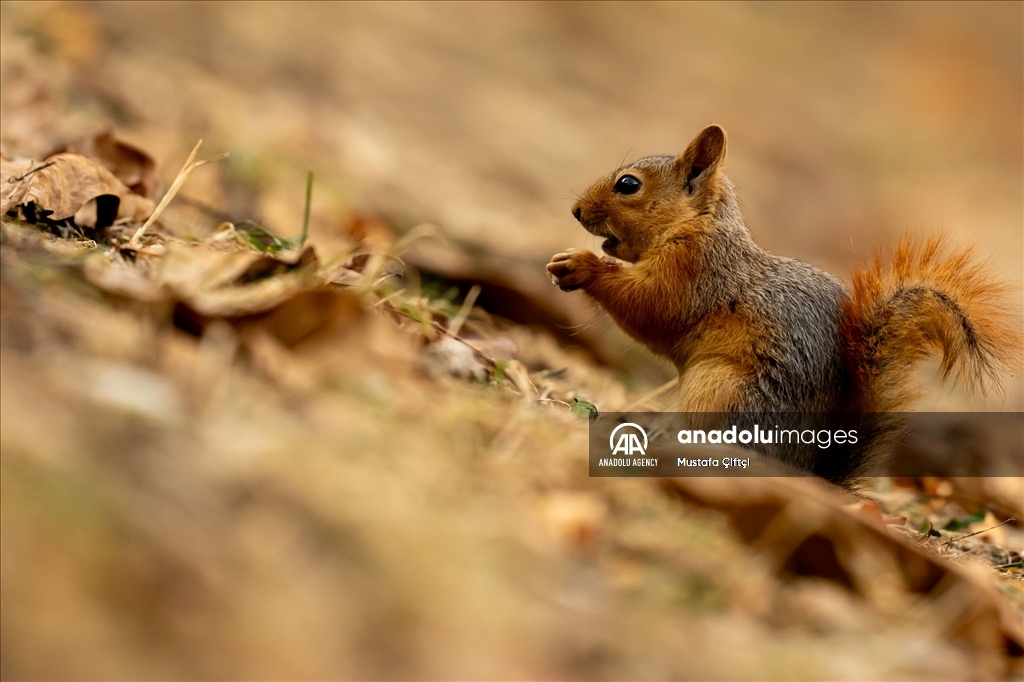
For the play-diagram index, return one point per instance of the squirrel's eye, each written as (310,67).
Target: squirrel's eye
(627,184)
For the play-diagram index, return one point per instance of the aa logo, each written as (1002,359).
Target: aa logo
(628,441)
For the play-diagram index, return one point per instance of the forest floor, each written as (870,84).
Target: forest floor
(339,430)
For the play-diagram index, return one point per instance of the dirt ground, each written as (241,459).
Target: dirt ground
(222,459)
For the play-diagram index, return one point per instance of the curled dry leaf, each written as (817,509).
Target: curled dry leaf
(70,186)
(189,269)
(260,295)
(132,166)
(218,284)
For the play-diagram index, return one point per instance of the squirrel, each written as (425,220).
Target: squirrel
(753,332)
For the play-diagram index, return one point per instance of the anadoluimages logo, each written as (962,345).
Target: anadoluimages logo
(628,442)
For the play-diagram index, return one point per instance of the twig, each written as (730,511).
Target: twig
(29,172)
(977,532)
(1012,564)
(491,362)
(464,311)
(555,402)
(483,357)
(190,165)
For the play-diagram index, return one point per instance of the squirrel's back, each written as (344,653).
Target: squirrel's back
(798,312)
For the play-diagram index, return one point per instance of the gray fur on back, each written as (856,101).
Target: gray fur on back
(802,363)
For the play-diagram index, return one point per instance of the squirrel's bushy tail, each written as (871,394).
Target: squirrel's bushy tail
(923,299)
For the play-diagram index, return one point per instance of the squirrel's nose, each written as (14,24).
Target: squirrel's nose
(577,213)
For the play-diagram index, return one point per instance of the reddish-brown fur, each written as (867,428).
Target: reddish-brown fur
(958,309)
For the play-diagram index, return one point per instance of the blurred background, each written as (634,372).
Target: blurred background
(848,124)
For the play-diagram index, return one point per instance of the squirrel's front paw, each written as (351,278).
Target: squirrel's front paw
(573,269)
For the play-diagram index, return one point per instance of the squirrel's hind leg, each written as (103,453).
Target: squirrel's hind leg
(711,385)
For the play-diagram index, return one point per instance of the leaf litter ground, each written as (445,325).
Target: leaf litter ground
(222,457)
(230,456)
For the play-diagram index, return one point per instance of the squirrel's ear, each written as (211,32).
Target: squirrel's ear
(702,158)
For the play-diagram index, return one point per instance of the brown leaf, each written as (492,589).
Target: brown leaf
(269,263)
(807,531)
(132,166)
(281,298)
(12,184)
(216,284)
(123,279)
(309,313)
(191,268)
(70,186)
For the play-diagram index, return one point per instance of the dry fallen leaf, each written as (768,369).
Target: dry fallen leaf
(218,284)
(115,276)
(805,529)
(309,313)
(132,166)
(69,186)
